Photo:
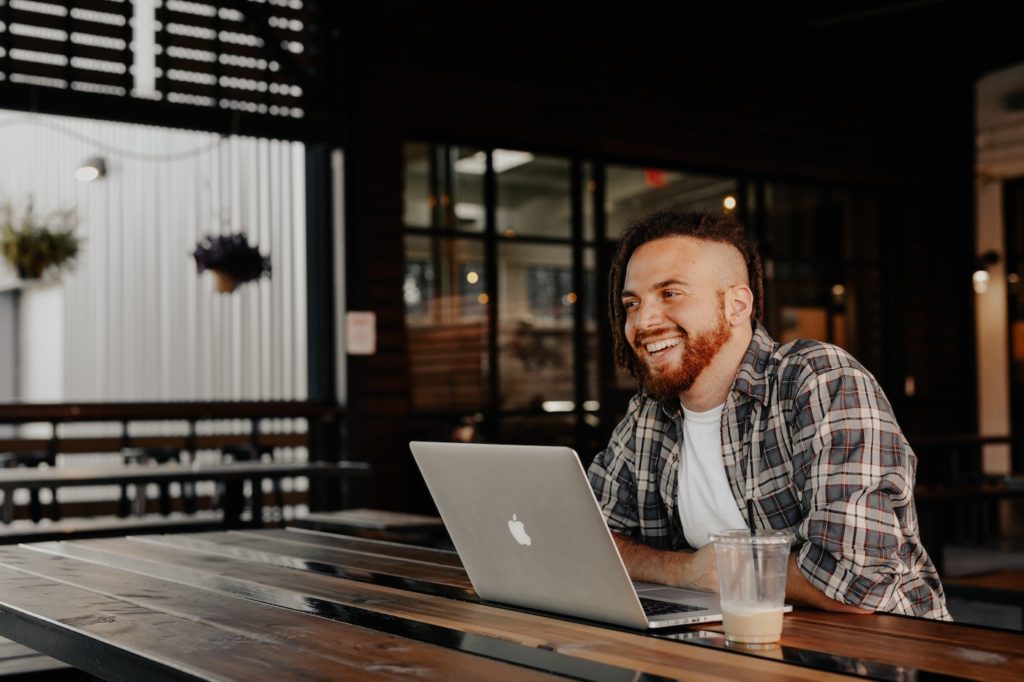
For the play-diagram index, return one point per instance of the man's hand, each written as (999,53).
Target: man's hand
(697,570)
(694,570)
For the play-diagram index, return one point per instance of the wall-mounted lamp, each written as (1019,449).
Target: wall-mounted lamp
(980,278)
(93,168)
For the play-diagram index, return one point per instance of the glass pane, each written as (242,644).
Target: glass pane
(553,429)
(589,189)
(800,260)
(446,315)
(535,326)
(633,192)
(802,224)
(864,236)
(417,196)
(593,308)
(859,301)
(464,202)
(533,194)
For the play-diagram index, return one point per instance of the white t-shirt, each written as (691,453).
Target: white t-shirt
(706,503)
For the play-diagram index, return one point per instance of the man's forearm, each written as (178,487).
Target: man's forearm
(689,569)
(697,570)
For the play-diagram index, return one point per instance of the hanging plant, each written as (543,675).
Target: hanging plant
(232,260)
(32,245)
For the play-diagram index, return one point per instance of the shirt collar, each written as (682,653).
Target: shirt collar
(752,377)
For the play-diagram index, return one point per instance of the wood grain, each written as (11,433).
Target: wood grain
(213,635)
(1006,580)
(347,542)
(904,642)
(269,549)
(275,584)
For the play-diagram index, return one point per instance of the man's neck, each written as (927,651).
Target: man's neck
(712,386)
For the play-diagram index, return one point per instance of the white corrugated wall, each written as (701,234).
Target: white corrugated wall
(138,323)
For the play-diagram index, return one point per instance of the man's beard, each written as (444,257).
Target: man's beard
(698,352)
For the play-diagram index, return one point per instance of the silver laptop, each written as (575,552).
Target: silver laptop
(528,529)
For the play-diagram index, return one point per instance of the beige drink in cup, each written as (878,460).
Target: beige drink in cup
(752,581)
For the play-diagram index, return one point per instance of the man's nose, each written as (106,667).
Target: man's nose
(649,316)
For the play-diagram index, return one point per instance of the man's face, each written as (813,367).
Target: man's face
(675,312)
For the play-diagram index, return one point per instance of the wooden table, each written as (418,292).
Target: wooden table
(298,604)
(233,476)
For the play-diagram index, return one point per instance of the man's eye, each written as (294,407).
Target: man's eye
(628,304)
(669,294)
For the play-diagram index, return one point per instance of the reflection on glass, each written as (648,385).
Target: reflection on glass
(591,307)
(446,316)
(535,327)
(553,429)
(472,289)
(418,287)
(632,193)
(533,194)
(590,193)
(802,224)
(803,228)
(464,200)
(417,195)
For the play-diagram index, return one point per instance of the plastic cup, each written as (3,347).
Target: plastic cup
(752,581)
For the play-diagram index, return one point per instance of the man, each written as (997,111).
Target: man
(725,415)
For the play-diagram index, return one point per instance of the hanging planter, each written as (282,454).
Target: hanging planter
(231,259)
(223,283)
(32,245)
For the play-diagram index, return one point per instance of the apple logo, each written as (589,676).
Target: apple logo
(518,531)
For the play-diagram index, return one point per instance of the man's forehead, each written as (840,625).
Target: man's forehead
(685,258)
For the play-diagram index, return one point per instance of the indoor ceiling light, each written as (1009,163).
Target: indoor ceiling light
(503,160)
(93,168)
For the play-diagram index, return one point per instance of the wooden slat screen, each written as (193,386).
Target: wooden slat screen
(252,56)
(81,46)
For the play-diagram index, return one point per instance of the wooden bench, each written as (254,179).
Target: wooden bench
(189,432)
(233,476)
(378,524)
(1005,587)
(940,507)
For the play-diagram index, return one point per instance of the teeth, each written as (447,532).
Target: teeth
(661,345)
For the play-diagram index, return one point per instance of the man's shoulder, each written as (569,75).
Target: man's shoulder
(806,358)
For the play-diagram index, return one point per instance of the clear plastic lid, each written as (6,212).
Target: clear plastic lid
(761,536)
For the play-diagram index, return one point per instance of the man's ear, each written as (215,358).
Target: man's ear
(739,304)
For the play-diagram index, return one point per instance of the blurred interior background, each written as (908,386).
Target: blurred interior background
(462,171)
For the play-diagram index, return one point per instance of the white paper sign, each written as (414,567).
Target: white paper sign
(361,332)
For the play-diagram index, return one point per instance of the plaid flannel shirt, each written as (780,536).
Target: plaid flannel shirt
(829,463)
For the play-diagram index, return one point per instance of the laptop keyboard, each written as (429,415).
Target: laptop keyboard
(657,607)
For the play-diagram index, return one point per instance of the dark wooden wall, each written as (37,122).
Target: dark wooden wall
(690,95)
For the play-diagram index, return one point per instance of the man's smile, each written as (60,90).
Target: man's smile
(658,346)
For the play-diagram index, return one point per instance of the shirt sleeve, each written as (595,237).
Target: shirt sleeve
(860,527)
(612,476)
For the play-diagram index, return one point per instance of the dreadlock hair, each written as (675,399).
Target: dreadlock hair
(710,226)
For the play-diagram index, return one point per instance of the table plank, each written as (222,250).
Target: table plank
(924,645)
(961,659)
(276,584)
(333,540)
(983,641)
(320,558)
(224,636)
